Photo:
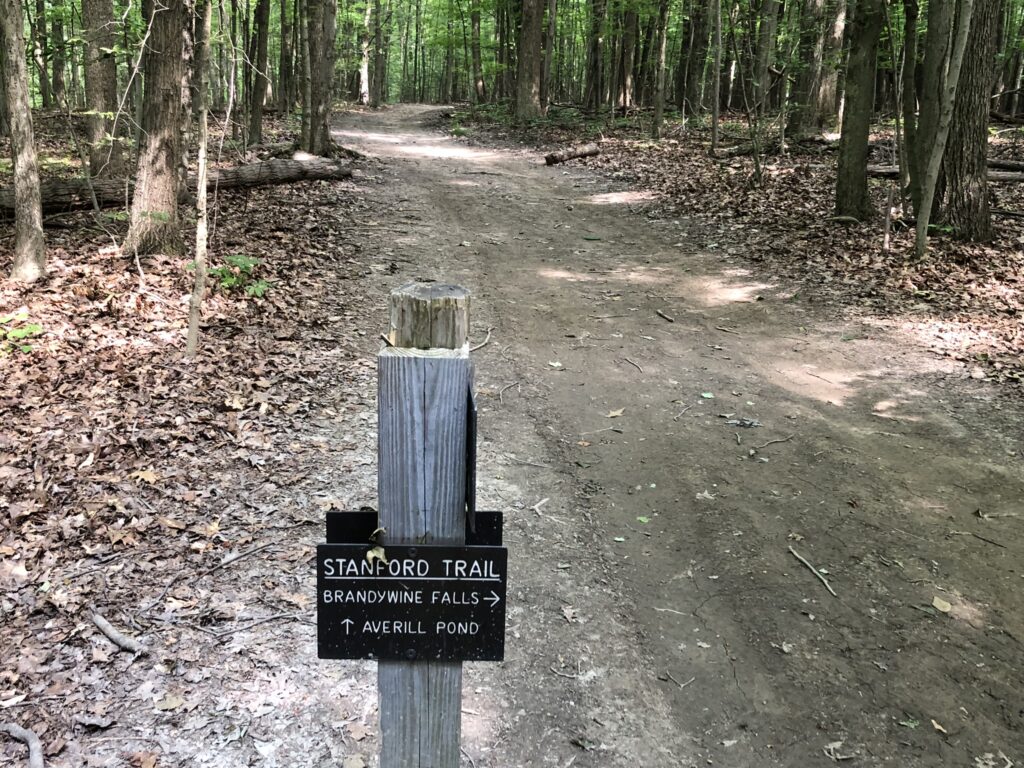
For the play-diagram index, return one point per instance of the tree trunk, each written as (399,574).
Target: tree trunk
(696,60)
(75,194)
(259,62)
(964,164)
(29,263)
(320,35)
(573,153)
(378,94)
(949,69)
(364,55)
(39,54)
(595,55)
(627,88)
(716,89)
(528,70)
(766,33)
(549,54)
(804,115)
(908,77)
(205,11)
(285,87)
(479,91)
(852,178)
(106,154)
(659,71)
(59,61)
(827,97)
(154,214)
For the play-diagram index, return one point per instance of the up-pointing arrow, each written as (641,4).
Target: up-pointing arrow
(493,598)
(348,625)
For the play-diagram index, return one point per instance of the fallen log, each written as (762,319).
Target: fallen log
(73,194)
(587,150)
(892,172)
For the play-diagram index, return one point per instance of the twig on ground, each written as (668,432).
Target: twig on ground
(118,638)
(671,610)
(635,365)
(668,676)
(676,417)
(504,389)
(738,440)
(264,620)
(977,536)
(662,315)
(174,580)
(529,463)
(469,757)
(813,570)
(727,330)
(536,507)
(564,674)
(606,429)
(484,343)
(28,738)
(236,558)
(772,442)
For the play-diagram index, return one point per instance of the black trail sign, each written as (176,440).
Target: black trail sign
(439,603)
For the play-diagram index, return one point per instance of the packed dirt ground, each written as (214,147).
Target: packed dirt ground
(691,454)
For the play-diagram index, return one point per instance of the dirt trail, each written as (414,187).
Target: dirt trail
(690,422)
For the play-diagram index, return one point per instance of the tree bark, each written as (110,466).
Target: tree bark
(549,54)
(364,54)
(74,194)
(195,306)
(39,54)
(804,116)
(154,223)
(59,59)
(378,93)
(696,59)
(285,87)
(106,154)
(479,91)
(320,36)
(258,95)
(852,179)
(595,56)
(766,33)
(964,164)
(659,71)
(29,263)
(528,69)
(827,97)
(587,150)
(716,88)
(908,77)
(931,160)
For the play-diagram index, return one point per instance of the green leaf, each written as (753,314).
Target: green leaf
(643,519)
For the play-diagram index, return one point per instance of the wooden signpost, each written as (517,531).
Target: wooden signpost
(427,598)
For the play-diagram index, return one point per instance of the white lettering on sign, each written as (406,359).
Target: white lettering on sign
(457,628)
(470,569)
(347,568)
(394,628)
(373,596)
(454,598)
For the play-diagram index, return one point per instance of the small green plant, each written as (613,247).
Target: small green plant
(15,330)
(237,274)
(458,130)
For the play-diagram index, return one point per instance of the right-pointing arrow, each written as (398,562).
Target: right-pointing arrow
(493,598)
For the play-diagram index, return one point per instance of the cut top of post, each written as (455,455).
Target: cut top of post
(429,315)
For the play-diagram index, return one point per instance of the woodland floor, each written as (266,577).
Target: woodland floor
(654,473)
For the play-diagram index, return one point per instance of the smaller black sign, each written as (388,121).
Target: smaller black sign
(429,603)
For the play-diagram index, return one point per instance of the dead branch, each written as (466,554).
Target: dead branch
(118,638)
(813,570)
(587,150)
(73,194)
(27,737)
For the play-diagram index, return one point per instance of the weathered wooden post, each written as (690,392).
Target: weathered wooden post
(422,406)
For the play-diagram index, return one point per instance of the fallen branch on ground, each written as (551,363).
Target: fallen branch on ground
(813,570)
(118,638)
(587,150)
(27,737)
(74,194)
(893,172)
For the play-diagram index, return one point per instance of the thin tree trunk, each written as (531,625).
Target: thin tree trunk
(659,72)
(716,88)
(812,49)
(59,61)
(852,179)
(549,54)
(29,262)
(199,286)
(378,93)
(106,154)
(595,59)
(284,62)
(321,34)
(932,163)
(765,52)
(38,27)
(827,97)
(909,96)
(479,91)
(364,54)
(154,223)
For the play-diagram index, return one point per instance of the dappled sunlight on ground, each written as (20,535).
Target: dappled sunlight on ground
(412,144)
(463,183)
(825,385)
(621,198)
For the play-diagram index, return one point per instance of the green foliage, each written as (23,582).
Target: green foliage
(237,274)
(15,330)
